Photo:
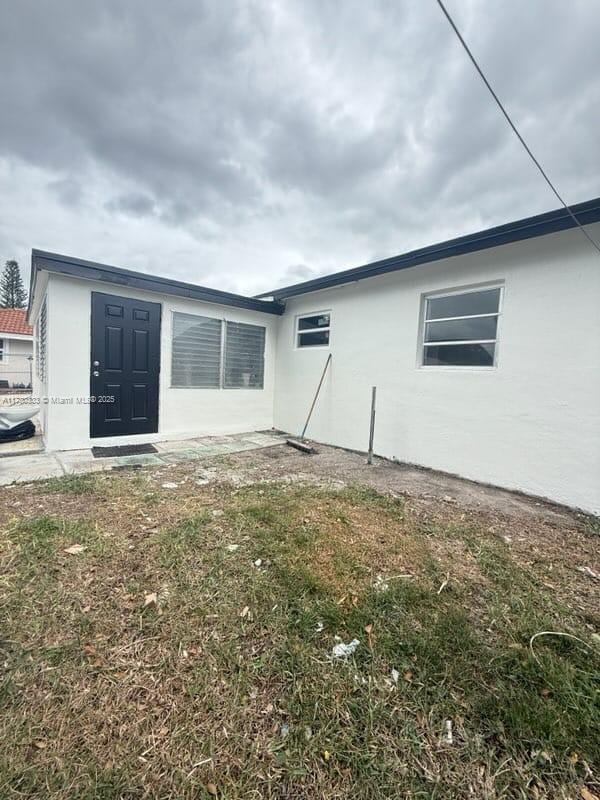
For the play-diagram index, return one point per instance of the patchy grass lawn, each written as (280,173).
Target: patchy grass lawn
(185,650)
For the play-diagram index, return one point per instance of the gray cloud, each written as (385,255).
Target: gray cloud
(225,142)
(296,273)
(138,205)
(68,192)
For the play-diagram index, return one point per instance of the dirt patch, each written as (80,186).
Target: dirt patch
(334,464)
(554,543)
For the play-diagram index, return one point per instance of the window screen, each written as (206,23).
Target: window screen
(313,330)
(41,343)
(1,349)
(196,352)
(461,329)
(244,356)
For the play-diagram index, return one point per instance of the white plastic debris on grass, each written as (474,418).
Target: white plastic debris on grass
(449,735)
(381,584)
(589,572)
(258,562)
(169,485)
(395,675)
(319,627)
(75,549)
(232,547)
(342,650)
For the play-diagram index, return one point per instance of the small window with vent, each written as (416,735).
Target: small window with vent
(312,330)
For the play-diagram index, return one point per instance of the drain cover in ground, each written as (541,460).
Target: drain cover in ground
(123,450)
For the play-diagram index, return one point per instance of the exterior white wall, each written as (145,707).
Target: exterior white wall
(532,423)
(15,364)
(182,412)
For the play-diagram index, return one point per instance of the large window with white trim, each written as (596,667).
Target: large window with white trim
(312,330)
(196,352)
(460,329)
(210,353)
(1,349)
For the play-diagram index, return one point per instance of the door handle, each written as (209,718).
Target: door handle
(95,373)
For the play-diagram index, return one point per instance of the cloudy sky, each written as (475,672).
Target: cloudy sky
(244,145)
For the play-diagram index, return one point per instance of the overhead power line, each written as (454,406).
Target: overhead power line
(514,127)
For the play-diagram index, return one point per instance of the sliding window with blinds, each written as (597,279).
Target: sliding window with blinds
(244,356)
(196,354)
(208,353)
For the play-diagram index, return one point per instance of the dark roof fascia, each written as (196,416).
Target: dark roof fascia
(528,228)
(91,270)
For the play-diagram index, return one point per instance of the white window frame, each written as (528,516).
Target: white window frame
(297,330)
(449,293)
(221,387)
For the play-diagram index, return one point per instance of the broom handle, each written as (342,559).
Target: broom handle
(315,397)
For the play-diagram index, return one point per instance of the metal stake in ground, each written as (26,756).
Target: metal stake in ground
(372,428)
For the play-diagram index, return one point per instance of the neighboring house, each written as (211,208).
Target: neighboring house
(16,348)
(485,351)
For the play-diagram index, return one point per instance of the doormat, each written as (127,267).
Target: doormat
(123,450)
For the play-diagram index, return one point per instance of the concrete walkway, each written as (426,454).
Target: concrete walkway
(24,468)
(23,447)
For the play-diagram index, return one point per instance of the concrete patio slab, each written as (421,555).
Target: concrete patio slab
(144,460)
(23,467)
(170,447)
(78,462)
(24,447)
(183,455)
(211,441)
(215,449)
(262,438)
(244,445)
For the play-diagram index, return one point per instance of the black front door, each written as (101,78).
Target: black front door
(125,366)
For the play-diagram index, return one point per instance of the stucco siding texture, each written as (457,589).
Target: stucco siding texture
(531,423)
(182,412)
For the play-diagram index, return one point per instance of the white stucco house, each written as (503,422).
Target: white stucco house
(16,348)
(485,351)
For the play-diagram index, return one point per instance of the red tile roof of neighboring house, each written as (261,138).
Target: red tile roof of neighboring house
(13,320)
